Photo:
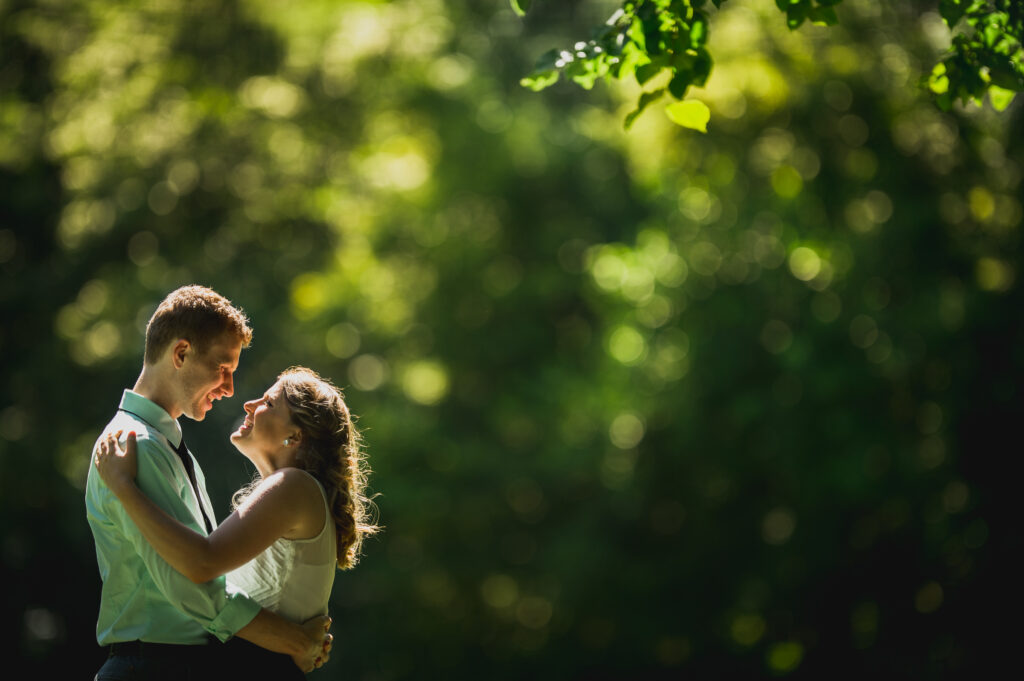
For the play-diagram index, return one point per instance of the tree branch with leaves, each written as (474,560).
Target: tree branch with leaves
(646,38)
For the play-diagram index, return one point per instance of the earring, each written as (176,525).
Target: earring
(287,442)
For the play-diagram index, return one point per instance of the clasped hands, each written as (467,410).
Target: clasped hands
(317,630)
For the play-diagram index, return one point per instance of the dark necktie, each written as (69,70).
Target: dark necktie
(182,451)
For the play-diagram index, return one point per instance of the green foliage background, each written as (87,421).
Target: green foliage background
(643,405)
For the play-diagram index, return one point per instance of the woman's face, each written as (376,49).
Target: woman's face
(268,421)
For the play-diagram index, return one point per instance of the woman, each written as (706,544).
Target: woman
(305,513)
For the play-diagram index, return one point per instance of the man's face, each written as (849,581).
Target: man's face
(208,376)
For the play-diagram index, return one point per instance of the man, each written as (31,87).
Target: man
(155,620)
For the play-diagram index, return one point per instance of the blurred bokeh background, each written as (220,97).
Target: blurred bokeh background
(639,405)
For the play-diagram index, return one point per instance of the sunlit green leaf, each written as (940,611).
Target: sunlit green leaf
(521,7)
(699,31)
(1000,97)
(938,82)
(692,113)
(539,81)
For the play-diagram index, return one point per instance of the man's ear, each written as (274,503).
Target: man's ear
(179,350)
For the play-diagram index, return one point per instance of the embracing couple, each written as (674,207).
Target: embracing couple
(183,597)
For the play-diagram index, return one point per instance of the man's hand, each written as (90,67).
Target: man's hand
(320,641)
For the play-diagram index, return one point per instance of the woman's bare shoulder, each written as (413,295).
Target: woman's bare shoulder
(299,492)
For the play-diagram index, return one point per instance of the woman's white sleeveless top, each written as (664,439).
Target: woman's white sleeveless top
(293,577)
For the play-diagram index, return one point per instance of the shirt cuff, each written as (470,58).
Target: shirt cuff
(239,611)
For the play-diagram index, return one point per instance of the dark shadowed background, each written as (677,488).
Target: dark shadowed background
(643,405)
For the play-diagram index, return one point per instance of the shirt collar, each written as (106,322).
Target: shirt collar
(153,414)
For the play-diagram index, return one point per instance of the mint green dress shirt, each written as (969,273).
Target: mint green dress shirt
(144,597)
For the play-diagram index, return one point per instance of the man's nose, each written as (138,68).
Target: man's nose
(227,387)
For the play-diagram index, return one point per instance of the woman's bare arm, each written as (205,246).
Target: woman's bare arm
(275,509)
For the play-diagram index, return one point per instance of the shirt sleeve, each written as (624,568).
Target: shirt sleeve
(220,608)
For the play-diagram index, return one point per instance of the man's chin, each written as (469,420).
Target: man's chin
(198,412)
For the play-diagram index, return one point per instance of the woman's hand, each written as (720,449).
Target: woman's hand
(116,466)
